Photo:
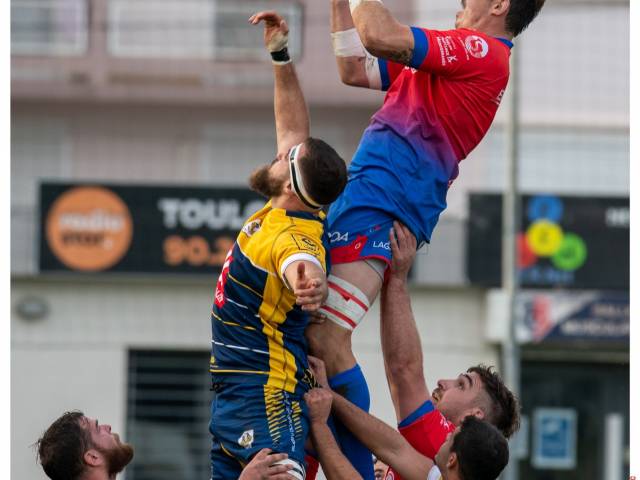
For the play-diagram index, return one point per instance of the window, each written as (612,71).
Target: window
(168,415)
(49,27)
(194,29)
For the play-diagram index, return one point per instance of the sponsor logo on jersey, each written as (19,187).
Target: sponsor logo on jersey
(476,46)
(252,227)
(305,244)
(338,237)
(246,439)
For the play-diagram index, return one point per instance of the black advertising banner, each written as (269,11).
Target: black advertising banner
(141,229)
(569,242)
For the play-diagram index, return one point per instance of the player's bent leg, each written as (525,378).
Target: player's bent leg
(352,289)
(352,385)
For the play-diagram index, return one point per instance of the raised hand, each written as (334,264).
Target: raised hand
(310,289)
(403,250)
(319,404)
(319,371)
(276,31)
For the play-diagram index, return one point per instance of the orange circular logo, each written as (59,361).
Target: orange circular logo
(89,228)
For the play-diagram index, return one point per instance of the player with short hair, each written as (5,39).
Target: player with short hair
(443,91)
(272,277)
(76,447)
(475,450)
(426,418)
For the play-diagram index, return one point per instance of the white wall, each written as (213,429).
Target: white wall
(76,357)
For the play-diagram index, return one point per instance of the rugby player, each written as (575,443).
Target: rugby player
(443,90)
(426,418)
(272,277)
(76,447)
(474,450)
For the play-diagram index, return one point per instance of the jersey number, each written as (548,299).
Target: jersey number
(222,279)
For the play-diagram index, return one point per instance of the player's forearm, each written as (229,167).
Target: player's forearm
(385,442)
(347,47)
(399,333)
(382,35)
(334,464)
(292,116)
(377,436)
(401,349)
(340,16)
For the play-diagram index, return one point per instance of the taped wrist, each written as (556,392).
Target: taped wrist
(347,43)
(281,57)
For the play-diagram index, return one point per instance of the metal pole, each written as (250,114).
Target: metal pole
(510,226)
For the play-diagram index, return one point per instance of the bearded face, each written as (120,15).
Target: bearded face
(266,181)
(117,456)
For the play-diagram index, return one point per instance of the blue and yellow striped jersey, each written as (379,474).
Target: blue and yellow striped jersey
(258,330)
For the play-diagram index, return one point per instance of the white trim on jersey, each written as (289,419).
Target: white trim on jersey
(294,258)
(434,473)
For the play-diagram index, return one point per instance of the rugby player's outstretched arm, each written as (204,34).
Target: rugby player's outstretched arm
(382,35)
(292,117)
(351,56)
(384,441)
(401,347)
(334,464)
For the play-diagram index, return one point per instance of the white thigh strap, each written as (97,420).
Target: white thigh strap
(296,472)
(346,304)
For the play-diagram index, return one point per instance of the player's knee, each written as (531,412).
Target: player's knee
(346,304)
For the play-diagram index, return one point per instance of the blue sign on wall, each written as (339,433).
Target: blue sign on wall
(554,438)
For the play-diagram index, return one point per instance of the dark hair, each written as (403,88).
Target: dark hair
(504,408)
(521,13)
(324,171)
(481,449)
(62,446)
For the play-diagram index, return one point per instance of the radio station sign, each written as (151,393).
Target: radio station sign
(569,242)
(546,316)
(141,229)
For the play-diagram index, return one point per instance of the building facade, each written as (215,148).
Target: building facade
(178,94)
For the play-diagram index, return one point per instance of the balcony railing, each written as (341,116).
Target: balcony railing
(49,28)
(194,29)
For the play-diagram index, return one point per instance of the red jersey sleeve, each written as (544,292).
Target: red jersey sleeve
(426,430)
(389,71)
(428,433)
(459,53)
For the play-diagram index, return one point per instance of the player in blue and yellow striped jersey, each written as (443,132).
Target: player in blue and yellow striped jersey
(274,274)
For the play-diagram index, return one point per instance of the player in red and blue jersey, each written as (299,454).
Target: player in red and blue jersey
(443,91)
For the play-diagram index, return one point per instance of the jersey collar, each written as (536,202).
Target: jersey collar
(508,43)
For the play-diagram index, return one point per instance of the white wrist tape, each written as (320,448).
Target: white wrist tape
(278,42)
(353,4)
(347,44)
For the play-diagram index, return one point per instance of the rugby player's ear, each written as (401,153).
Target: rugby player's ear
(500,7)
(92,458)
(452,461)
(478,413)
